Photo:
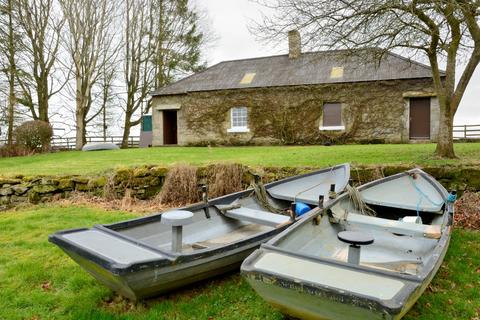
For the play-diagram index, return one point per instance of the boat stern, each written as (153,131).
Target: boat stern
(309,289)
(109,259)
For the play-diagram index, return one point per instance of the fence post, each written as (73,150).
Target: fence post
(465,131)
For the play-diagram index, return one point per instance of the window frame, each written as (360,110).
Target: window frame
(339,127)
(236,128)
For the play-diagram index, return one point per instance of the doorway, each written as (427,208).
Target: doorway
(420,118)
(169,127)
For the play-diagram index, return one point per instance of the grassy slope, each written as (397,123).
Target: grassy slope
(75,162)
(38,281)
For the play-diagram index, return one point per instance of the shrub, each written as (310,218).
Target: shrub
(180,186)
(224,178)
(34,136)
(13,151)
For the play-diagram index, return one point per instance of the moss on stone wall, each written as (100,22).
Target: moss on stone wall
(146,182)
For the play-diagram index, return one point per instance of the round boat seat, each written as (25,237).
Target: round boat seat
(177,218)
(355,239)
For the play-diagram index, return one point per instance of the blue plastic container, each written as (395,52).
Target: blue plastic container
(301,208)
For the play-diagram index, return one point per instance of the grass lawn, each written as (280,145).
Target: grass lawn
(76,162)
(38,281)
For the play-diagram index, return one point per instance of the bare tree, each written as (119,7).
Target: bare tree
(443,31)
(107,95)
(9,42)
(161,40)
(89,42)
(42,27)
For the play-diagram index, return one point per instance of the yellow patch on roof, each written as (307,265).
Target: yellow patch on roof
(247,78)
(337,72)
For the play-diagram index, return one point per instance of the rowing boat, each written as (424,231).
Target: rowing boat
(369,254)
(151,255)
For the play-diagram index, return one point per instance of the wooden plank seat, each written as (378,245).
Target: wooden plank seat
(394,226)
(257,216)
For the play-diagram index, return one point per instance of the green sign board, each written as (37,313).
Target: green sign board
(147,123)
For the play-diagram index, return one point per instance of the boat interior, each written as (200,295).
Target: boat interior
(249,214)
(402,243)
(217,225)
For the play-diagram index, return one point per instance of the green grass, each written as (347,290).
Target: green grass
(38,281)
(75,162)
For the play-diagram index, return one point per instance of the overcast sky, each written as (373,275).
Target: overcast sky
(229,20)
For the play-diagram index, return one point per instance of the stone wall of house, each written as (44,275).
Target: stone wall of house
(371,112)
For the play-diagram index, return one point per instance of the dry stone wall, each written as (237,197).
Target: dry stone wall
(146,182)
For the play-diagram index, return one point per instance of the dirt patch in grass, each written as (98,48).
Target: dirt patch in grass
(467,211)
(127,203)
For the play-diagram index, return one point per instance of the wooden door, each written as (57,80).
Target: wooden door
(169,126)
(420,118)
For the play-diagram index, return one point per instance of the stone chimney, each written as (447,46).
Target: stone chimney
(294,44)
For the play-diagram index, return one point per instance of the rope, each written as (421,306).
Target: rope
(358,203)
(262,197)
(423,195)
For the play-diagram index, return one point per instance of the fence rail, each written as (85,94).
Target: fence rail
(68,143)
(468,131)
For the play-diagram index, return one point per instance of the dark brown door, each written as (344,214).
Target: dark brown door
(420,118)
(169,126)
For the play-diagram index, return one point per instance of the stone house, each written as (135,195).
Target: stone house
(299,98)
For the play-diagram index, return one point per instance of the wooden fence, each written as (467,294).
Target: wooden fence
(68,143)
(471,131)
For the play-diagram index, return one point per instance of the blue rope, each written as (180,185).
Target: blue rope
(423,195)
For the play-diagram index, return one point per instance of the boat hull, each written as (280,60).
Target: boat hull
(135,257)
(304,272)
(303,300)
(149,282)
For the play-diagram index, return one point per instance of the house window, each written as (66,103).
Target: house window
(332,117)
(239,120)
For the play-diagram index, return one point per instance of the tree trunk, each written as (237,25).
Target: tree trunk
(80,115)
(42,96)
(80,130)
(11,76)
(445,135)
(126,132)
(104,125)
(10,114)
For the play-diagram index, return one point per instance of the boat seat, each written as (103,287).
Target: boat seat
(355,239)
(394,226)
(257,216)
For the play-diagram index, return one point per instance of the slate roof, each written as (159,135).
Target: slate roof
(310,68)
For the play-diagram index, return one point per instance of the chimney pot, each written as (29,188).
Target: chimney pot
(294,44)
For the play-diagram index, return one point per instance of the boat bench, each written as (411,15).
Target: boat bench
(394,226)
(257,216)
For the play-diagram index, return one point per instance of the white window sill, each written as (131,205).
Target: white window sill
(332,128)
(238,130)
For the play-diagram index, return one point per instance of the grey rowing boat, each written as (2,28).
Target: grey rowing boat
(151,255)
(98,146)
(369,254)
